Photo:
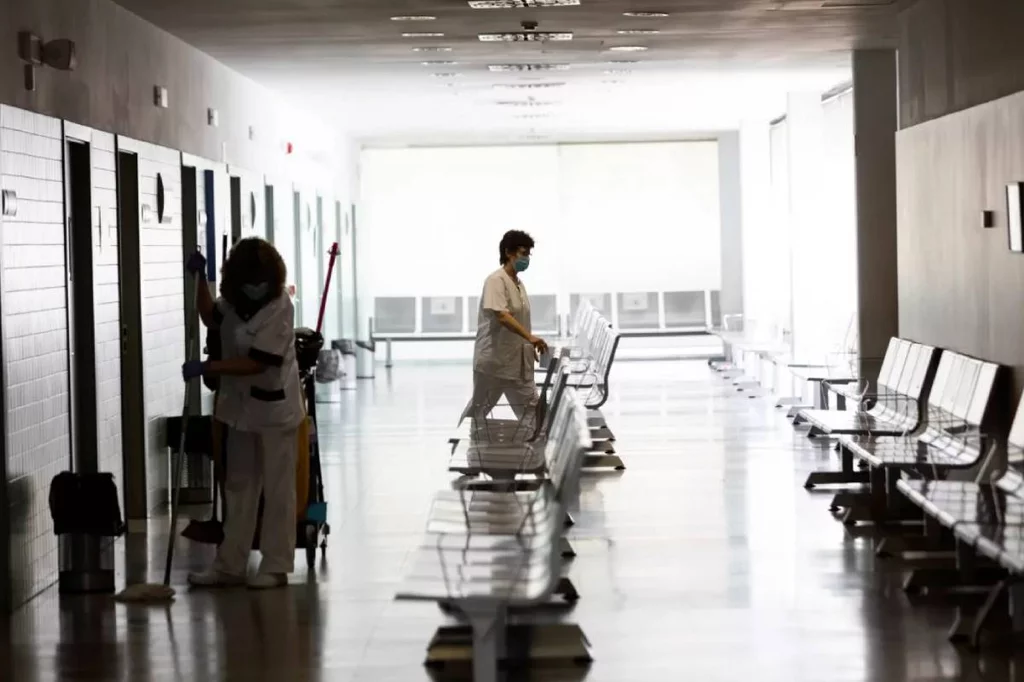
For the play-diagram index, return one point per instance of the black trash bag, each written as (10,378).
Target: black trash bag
(307,348)
(85,504)
(198,438)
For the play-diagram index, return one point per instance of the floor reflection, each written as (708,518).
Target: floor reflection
(705,560)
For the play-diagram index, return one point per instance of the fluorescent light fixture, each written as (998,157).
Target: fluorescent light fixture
(617,72)
(612,82)
(439,63)
(526,86)
(520,4)
(645,15)
(414,17)
(446,74)
(619,62)
(423,35)
(528,67)
(637,31)
(526,37)
(431,49)
(627,48)
(533,116)
(523,103)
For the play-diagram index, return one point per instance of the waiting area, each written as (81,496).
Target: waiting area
(705,546)
(928,467)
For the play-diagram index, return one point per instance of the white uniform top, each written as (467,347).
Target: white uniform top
(273,398)
(499,352)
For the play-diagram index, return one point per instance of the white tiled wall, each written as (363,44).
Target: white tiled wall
(163,313)
(253,223)
(308,249)
(36,380)
(107,302)
(284,228)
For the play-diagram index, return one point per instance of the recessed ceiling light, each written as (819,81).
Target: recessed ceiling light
(646,15)
(423,35)
(439,63)
(627,48)
(414,17)
(528,67)
(637,31)
(519,4)
(526,37)
(526,86)
(431,49)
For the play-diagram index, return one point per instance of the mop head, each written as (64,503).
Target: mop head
(146,593)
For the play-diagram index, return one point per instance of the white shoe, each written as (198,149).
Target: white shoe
(215,578)
(267,581)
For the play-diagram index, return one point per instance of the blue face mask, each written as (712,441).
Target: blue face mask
(256,292)
(521,263)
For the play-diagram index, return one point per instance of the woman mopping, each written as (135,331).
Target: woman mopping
(260,402)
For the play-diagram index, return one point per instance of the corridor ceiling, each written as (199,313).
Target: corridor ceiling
(430,71)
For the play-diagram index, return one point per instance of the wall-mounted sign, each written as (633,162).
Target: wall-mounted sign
(634,302)
(442,306)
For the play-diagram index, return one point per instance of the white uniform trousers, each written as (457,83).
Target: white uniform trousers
(487,391)
(259,462)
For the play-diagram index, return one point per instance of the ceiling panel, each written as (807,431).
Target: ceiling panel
(350,59)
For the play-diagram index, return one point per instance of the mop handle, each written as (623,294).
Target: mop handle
(327,286)
(191,328)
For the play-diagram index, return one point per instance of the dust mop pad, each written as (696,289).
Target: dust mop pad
(146,593)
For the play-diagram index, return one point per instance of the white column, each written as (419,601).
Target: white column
(755,210)
(808,265)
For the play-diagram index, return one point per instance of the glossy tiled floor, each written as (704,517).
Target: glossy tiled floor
(705,561)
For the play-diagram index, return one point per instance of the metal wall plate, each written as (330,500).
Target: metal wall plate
(9,202)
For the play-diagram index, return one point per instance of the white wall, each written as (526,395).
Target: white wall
(799,232)
(606,217)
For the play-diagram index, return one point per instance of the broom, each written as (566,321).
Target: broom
(157,593)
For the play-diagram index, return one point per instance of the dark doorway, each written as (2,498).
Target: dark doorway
(268,200)
(193,237)
(81,306)
(132,395)
(236,208)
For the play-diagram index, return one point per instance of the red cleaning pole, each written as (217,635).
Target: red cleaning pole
(327,286)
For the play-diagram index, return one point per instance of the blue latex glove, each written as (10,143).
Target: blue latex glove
(196,263)
(193,369)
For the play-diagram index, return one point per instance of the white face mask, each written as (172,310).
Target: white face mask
(255,292)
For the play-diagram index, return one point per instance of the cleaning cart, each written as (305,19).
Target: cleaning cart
(312,529)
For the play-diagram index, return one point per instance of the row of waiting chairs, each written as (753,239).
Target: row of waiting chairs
(592,343)
(495,552)
(925,463)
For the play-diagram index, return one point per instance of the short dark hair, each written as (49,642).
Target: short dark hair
(513,240)
(252,261)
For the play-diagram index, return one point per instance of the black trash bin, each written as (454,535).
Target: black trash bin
(197,467)
(86,516)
